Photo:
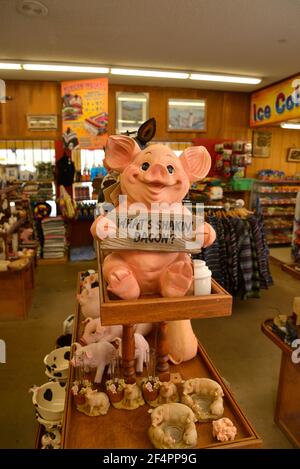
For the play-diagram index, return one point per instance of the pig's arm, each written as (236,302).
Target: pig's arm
(104,226)
(205,230)
(120,278)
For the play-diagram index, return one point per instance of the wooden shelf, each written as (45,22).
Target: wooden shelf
(287,412)
(290,269)
(16,292)
(13,228)
(128,429)
(116,311)
(8,189)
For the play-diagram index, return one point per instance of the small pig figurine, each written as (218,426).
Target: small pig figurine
(89,302)
(168,392)
(154,174)
(96,355)
(94,332)
(140,352)
(132,396)
(172,415)
(98,402)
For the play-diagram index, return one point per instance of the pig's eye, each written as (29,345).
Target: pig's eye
(170,169)
(145,166)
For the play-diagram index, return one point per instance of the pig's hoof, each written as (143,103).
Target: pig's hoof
(177,279)
(123,283)
(209,235)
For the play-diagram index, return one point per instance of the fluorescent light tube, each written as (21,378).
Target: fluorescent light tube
(287,125)
(65,68)
(10,66)
(123,98)
(148,73)
(186,103)
(225,78)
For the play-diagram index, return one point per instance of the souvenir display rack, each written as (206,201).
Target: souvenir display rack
(129,429)
(287,411)
(277,199)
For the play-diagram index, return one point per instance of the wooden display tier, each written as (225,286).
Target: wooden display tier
(287,411)
(290,269)
(16,292)
(129,428)
(116,311)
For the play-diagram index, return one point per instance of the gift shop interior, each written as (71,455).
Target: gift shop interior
(149,224)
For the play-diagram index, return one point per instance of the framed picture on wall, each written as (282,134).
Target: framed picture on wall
(132,109)
(186,115)
(294,155)
(261,144)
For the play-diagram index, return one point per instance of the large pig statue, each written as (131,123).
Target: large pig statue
(96,355)
(154,174)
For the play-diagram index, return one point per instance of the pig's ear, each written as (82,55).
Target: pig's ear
(88,354)
(196,162)
(120,151)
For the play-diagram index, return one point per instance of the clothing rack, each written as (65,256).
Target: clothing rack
(227,206)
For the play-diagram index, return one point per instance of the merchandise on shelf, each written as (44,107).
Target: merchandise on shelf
(54,238)
(274,196)
(296,232)
(82,193)
(85,211)
(239,258)
(233,158)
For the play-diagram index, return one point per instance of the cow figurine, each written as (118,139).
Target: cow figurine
(96,355)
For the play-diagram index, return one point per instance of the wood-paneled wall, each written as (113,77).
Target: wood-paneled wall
(227,117)
(29,97)
(227,113)
(282,140)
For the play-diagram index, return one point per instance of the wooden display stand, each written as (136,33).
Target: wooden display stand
(16,292)
(129,429)
(287,411)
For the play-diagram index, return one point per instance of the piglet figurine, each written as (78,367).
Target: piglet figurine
(140,352)
(96,355)
(94,332)
(89,302)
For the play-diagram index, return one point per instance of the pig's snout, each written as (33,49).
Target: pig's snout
(156,174)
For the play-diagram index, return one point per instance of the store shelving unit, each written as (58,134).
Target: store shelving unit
(277,199)
(129,429)
(287,411)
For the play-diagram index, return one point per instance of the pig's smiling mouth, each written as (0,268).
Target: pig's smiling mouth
(156,186)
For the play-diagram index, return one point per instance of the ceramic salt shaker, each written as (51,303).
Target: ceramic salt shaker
(202,278)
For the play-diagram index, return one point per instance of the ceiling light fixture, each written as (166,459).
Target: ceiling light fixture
(10,66)
(64,68)
(179,102)
(149,73)
(225,78)
(290,125)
